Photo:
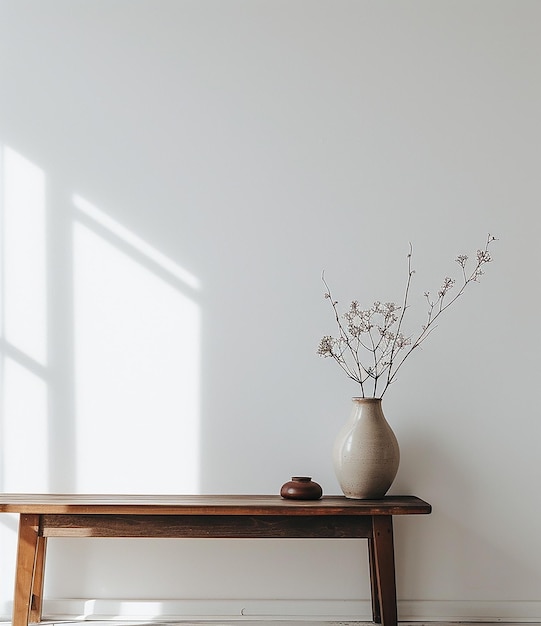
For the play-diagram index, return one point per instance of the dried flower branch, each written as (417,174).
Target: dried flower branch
(377,331)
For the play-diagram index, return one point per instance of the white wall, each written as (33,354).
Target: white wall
(176,174)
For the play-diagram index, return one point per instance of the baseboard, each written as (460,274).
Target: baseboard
(469,611)
(314,610)
(294,610)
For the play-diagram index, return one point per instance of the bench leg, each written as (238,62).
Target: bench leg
(27,550)
(383,567)
(36,604)
(376,612)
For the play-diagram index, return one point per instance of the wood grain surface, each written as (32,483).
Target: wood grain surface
(206,505)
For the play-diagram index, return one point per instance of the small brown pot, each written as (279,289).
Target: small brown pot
(301,488)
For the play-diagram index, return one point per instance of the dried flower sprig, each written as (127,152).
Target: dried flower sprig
(377,330)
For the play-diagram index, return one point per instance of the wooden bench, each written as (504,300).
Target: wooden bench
(334,517)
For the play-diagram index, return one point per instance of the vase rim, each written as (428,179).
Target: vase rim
(367,399)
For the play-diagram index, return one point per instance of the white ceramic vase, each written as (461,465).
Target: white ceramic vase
(366,453)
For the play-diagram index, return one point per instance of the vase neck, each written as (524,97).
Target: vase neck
(367,408)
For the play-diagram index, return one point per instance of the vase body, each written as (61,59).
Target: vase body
(366,453)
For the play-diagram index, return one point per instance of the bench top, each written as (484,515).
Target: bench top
(111,504)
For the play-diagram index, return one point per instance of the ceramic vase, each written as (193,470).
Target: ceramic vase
(366,453)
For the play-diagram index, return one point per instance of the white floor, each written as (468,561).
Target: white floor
(260,622)
(306,622)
